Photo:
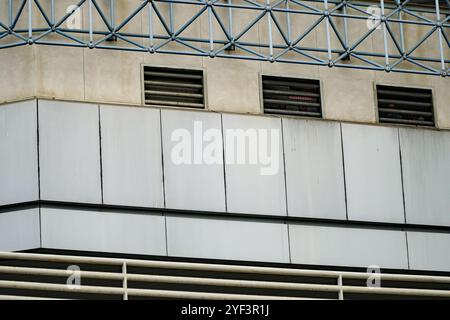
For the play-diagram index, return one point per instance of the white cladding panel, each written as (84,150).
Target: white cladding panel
(254,165)
(19,230)
(69,152)
(103,231)
(131,156)
(429,250)
(192,183)
(347,246)
(18,153)
(426,176)
(314,169)
(222,238)
(373,173)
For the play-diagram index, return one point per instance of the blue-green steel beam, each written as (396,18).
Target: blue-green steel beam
(217,39)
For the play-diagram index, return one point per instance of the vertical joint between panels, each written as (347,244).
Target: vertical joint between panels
(343,170)
(100,150)
(224,163)
(163,180)
(285,189)
(401,174)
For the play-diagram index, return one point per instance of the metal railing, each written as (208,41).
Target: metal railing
(272,34)
(127,279)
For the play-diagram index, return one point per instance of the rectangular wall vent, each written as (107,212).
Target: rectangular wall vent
(291,96)
(173,87)
(405,105)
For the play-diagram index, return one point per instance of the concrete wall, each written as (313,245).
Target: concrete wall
(231,85)
(69,152)
(108,76)
(95,155)
(225,238)
(20,230)
(18,153)
(103,154)
(103,231)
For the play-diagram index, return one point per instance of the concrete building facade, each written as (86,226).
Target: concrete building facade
(86,165)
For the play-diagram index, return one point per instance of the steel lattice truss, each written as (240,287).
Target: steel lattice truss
(401,36)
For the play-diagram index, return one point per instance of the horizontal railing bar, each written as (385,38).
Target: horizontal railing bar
(219,267)
(203,295)
(60,287)
(170,279)
(170,294)
(60,273)
(189,280)
(173,279)
(9,297)
(197,281)
(397,291)
(233,283)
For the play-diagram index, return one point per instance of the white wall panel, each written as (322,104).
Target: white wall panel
(314,169)
(426,176)
(429,251)
(347,246)
(233,239)
(372,173)
(131,156)
(252,186)
(18,153)
(19,230)
(192,184)
(103,231)
(69,151)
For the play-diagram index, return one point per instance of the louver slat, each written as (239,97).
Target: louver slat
(173,87)
(291,96)
(405,106)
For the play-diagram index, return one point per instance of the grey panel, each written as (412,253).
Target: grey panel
(103,231)
(131,156)
(426,176)
(372,173)
(314,169)
(196,185)
(252,186)
(69,151)
(19,230)
(18,153)
(227,239)
(345,246)
(429,251)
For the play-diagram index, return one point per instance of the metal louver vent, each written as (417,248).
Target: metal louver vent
(405,105)
(173,87)
(291,96)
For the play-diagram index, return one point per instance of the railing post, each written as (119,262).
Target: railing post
(341,289)
(125,280)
